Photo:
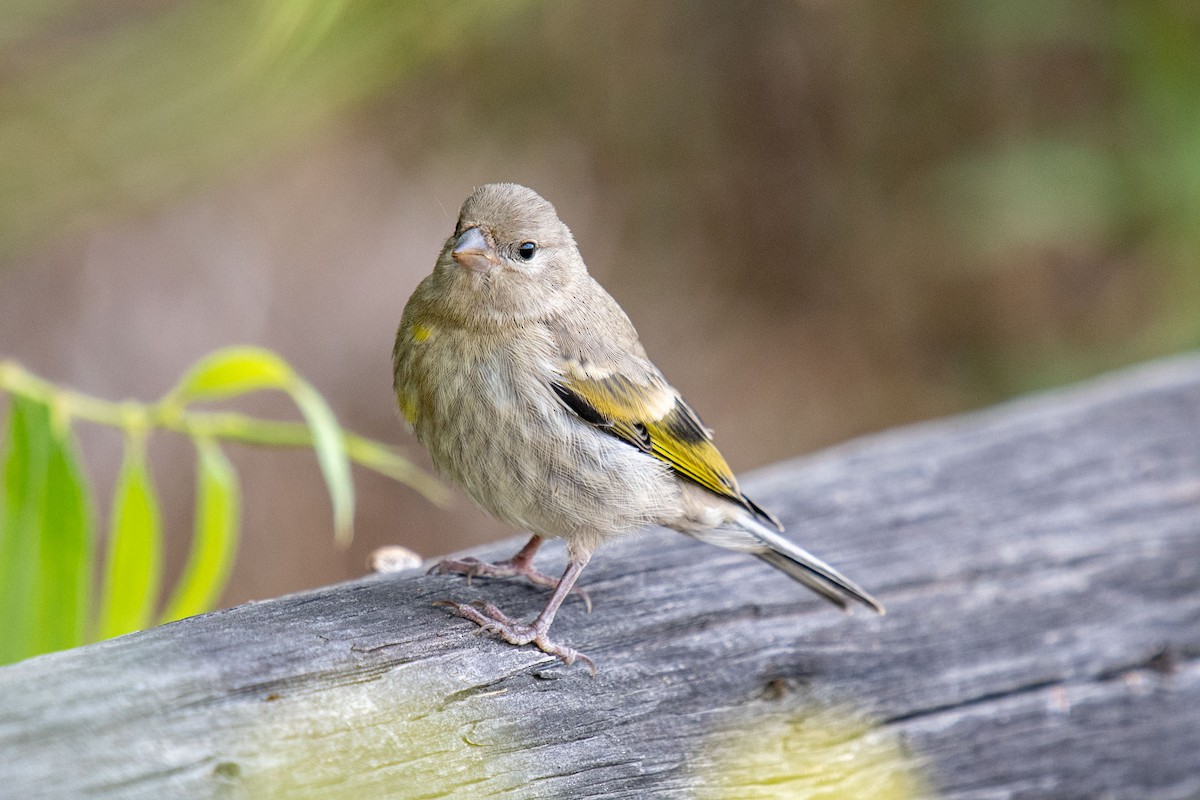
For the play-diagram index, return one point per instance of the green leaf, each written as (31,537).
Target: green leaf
(237,370)
(330,443)
(64,590)
(25,467)
(233,371)
(134,564)
(214,543)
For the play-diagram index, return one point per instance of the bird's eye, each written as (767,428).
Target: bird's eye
(526,250)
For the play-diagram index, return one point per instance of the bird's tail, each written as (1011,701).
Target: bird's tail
(806,568)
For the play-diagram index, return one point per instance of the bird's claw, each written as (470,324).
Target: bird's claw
(491,620)
(468,566)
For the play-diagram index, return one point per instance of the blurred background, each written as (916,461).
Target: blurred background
(824,218)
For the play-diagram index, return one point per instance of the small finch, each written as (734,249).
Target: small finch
(527,384)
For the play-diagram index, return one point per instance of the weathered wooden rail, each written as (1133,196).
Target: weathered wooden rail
(1041,567)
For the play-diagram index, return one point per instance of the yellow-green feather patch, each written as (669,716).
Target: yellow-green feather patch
(674,435)
(407,407)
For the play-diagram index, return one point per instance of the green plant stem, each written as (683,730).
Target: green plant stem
(130,415)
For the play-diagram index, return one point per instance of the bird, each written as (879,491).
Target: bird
(529,387)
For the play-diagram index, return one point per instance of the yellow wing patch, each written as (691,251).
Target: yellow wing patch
(698,460)
(653,418)
(616,396)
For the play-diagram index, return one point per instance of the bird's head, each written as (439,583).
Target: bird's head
(510,256)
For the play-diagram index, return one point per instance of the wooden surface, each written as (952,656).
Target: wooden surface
(1041,567)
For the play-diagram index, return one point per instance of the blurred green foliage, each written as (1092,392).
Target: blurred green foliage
(45,543)
(109,110)
(47,538)
(1110,172)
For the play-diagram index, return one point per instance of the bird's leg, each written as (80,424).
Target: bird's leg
(519,564)
(491,619)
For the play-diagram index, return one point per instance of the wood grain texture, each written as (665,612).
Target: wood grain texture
(1041,567)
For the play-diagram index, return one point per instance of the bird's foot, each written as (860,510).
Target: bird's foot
(474,568)
(491,619)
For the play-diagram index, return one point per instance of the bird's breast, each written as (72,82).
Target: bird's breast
(464,392)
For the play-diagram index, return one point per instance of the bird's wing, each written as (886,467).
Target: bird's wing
(649,414)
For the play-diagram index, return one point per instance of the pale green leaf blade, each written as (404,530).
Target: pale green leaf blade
(233,371)
(214,542)
(236,370)
(25,465)
(389,462)
(64,590)
(330,443)
(133,568)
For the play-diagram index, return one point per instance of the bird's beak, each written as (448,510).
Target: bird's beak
(473,252)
